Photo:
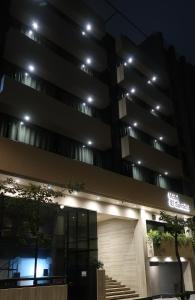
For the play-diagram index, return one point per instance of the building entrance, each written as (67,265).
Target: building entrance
(67,251)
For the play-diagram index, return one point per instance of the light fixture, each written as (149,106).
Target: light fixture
(89,142)
(133,91)
(152,110)
(133,165)
(27,118)
(155,141)
(88,27)
(135,124)
(157,107)
(83,33)
(160,175)
(21,123)
(83,66)
(35,25)
(62,206)
(168,259)
(125,64)
(88,60)
(31,68)
(161,138)
(127,94)
(83,146)
(30,32)
(154,259)
(154,78)
(49,187)
(139,162)
(129,127)
(149,82)
(26,74)
(130,60)
(166,173)
(84,104)
(90,99)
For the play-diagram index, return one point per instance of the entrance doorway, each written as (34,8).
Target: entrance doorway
(66,253)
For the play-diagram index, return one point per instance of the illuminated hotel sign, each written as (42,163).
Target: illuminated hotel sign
(174,202)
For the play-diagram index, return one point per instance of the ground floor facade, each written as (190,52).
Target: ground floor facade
(108,221)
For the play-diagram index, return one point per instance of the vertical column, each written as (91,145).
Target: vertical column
(114,107)
(142,259)
(100,284)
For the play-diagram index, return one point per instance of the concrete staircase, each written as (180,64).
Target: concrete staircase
(116,291)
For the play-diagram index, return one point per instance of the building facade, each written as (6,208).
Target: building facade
(77,104)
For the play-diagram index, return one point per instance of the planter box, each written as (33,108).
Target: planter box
(167,249)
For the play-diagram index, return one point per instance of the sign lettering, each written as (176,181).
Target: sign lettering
(174,202)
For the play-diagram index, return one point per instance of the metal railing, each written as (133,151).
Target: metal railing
(31,281)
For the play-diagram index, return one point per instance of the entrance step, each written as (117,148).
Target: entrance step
(120,297)
(115,290)
(120,292)
(121,288)
(115,286)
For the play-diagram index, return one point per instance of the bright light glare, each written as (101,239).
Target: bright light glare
(90,99)
(35,25)
(27,118)
(88,27)
(31,68)
(88,61)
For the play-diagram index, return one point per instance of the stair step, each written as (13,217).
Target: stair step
(114,286)
(115,290)
(119,292)
(112,282)
(117,297)
(123,288)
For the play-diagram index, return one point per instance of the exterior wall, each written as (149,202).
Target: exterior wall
(56,292)
(118,250)
(17,158)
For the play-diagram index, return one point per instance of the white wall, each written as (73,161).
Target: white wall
(117,250)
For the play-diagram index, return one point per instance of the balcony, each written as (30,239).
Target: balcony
(81,14)
(144,63)
(54,69)
(128,78)
(130,112)
(47,112)
(60,32)
(151,158)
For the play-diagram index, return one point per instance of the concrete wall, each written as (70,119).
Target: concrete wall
(56,292)
(117,250)
(16,159)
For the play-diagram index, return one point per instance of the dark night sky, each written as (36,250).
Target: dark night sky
(174,18)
